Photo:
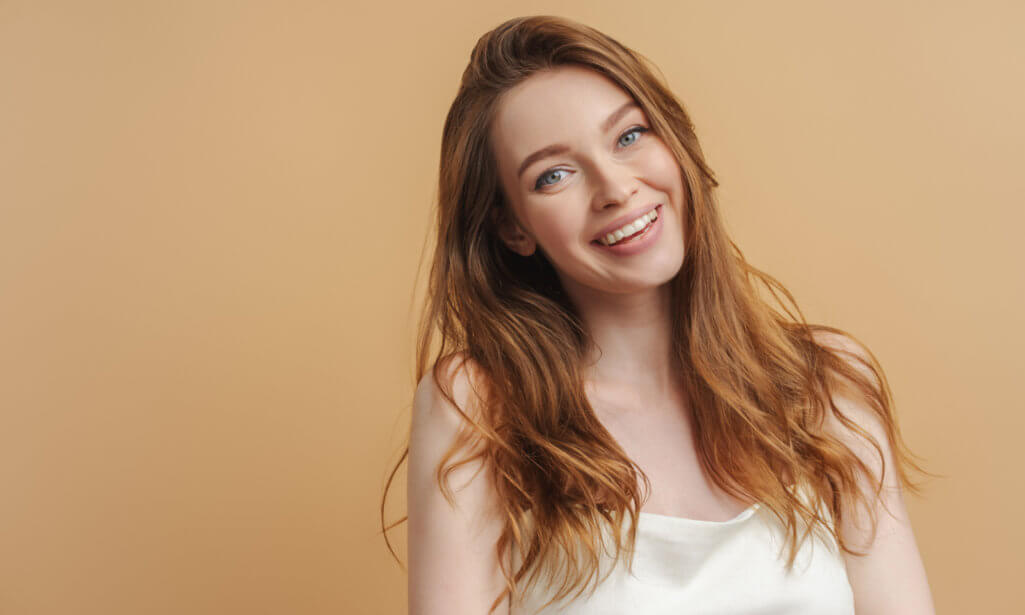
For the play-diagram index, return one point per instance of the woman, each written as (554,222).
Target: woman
(598,329)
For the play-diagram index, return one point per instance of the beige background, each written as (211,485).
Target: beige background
(210,220)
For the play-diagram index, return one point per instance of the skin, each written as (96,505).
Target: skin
(623,300)
(559,204)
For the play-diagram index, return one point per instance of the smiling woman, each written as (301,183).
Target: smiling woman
(611,176)
(599,331)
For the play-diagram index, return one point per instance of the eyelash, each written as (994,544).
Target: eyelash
(538,185)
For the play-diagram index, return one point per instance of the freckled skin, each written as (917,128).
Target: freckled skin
(605,175)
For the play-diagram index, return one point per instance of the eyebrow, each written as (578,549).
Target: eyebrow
(558,148)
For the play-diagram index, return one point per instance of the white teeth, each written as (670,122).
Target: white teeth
(630,228)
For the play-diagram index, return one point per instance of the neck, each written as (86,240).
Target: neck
(633,342)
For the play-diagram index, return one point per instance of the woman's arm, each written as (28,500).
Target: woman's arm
(453,567)
(890,579)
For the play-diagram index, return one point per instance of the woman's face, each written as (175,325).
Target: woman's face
(577,159)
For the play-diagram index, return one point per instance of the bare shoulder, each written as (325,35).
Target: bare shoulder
(459,378)
(890,578)
(851,402)
(453,564)
(853,351)
(861,418)
(446,405)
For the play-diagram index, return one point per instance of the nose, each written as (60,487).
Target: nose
(614,184)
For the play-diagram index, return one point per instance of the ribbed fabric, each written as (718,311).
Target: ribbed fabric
(692,567)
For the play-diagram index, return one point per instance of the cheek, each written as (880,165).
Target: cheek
(557,229)
(661,166)
(562,229)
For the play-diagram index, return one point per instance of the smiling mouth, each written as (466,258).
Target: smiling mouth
(628,238)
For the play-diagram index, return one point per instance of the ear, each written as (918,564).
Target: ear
(515,238)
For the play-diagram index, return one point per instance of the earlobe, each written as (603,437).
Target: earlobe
(517,240)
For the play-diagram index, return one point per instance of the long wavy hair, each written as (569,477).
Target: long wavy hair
(757,378)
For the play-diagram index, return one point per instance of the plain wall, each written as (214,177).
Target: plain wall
(211,215)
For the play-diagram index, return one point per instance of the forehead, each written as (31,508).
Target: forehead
(560,105)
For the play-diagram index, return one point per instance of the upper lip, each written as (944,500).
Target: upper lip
(630,217)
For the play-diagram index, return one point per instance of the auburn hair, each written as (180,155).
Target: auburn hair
(757,378)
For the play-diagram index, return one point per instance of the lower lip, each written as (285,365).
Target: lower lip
(638,244)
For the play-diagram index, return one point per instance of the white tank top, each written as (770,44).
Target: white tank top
(694,567)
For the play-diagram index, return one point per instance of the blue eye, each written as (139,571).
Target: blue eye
(636,129)
(540,180)
(639,130)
